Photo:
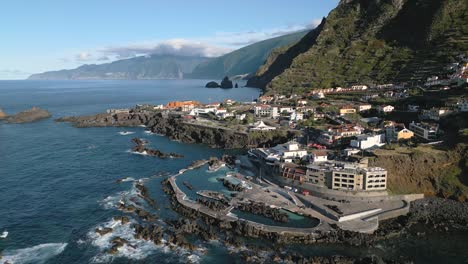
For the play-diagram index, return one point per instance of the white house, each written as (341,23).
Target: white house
(319,156)
(266,111)
(295,116)
(289,151)
(368,141)
(198,111)
(385,108)
(364,107)
(224,115)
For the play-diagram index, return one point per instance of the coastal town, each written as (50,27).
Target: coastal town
(315,153)
(308,132)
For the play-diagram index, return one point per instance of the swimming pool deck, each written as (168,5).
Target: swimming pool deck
(225,215)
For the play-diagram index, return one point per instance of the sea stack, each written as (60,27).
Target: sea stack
(226,83)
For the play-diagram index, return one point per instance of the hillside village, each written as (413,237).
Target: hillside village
(337,128)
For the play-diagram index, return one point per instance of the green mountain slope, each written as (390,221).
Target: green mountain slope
(245,60)
(145,67)
(366,41)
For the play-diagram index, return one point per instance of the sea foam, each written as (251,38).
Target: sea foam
(37,254)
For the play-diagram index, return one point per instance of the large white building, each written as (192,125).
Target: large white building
(368,141)
(266,111)
(284,152)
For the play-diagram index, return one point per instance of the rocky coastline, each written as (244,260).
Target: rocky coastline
(433,213)
(177,128)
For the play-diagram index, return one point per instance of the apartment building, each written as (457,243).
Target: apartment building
(425,131)
(266,111)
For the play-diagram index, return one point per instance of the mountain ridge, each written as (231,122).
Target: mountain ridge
(243,61)
(363,41)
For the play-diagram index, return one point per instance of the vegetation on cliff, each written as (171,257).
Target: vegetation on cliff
(435,171)
(365,41)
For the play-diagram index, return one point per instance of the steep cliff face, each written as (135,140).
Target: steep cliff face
(426,169)
(364,41)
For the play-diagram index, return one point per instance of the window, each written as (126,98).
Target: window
(337,185)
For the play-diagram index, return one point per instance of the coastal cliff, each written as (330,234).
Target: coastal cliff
(179,129)
(435,172)
(364,41)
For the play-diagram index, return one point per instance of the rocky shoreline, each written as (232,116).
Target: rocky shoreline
(453,218)
(177,128)
(434,214)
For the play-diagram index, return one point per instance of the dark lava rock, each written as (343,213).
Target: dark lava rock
(140,148)
(263,209)
(226,83)
(122,219)
(212,85)
(104,230)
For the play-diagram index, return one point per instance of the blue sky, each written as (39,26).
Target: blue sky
(44,35)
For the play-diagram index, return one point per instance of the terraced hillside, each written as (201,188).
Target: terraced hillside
(365,41)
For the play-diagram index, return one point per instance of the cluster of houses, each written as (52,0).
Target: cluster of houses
(458,76)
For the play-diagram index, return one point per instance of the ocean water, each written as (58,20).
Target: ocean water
(58,183)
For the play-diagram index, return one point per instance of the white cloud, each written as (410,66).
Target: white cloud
(182,47)
(213,46)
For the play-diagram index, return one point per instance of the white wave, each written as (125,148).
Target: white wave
(193,258)
(144,153)
(125,133)
(127,179)
(137,249)
(38,254)
(4,234)
(142,126)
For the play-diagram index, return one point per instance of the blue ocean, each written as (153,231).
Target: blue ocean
(58,183)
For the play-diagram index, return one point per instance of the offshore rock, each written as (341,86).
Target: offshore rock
(140,148)
(212,85)
(226,83)
(30,115)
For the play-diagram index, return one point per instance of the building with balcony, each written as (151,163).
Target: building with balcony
(424,130)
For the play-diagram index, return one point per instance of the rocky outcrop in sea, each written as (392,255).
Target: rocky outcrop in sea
(27,116)
(141,148)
